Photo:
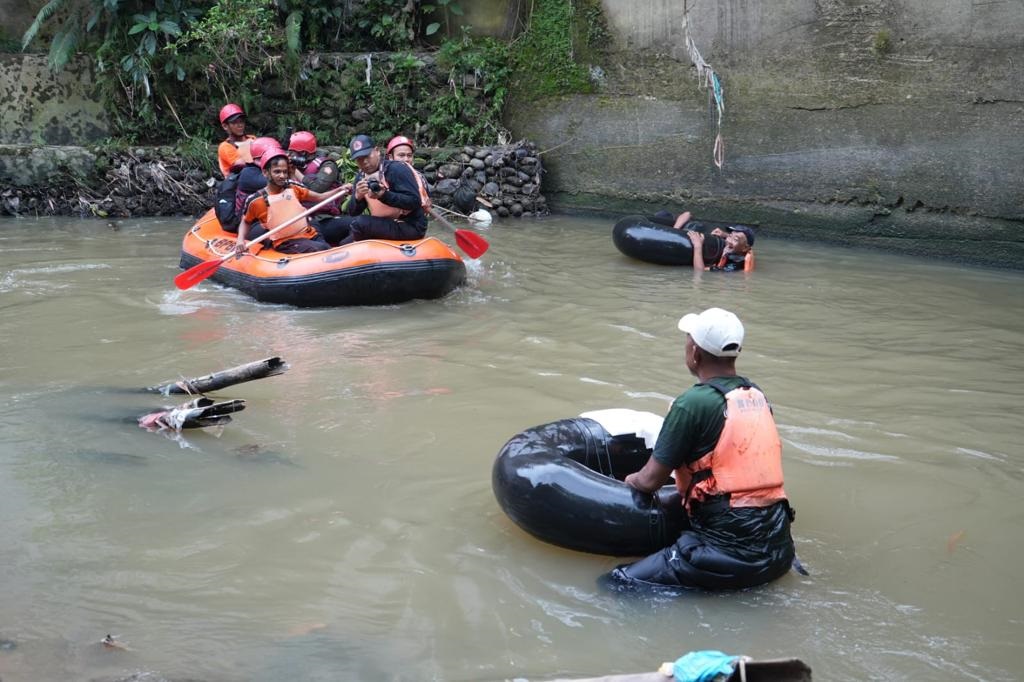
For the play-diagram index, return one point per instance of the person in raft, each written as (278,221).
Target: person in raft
(280,201)
(737,254)
(720,440)
(394,193)
(233,153)
(314,170)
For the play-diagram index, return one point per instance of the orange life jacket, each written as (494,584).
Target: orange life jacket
(281,208)
(231,153)
(748,261)
(746,463)
(381,210)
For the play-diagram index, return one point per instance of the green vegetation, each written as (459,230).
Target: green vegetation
(553,56)
(165,67)
(882,44)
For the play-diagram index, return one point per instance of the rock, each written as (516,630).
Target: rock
(446,186)
(449,170)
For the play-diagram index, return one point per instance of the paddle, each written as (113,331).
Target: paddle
(197,273)
(473,244)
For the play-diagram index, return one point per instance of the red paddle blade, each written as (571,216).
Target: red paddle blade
(197,273)
(473,244)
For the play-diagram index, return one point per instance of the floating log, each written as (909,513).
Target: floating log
(195,414)
(228,377)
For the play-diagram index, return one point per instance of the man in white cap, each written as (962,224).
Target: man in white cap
(720,441)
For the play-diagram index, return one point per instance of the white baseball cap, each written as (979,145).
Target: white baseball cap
(715,330)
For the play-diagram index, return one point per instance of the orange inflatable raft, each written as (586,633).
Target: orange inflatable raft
(370,272)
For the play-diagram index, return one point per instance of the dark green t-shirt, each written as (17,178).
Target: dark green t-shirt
(694,423)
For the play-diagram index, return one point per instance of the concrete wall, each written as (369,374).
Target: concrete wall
(898,123)
(40,107)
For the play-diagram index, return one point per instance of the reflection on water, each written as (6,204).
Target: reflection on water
(343,526)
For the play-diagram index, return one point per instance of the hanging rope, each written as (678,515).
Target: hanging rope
(707,78)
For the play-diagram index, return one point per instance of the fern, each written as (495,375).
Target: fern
(63,47)
(45,12)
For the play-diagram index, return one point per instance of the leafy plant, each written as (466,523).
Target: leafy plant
(157,29)
(238,41)
(446,7)
(76,18)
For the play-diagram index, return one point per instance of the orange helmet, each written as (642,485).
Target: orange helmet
(302,141)
(229,110)
(271,154)
(260,145)
(398,141)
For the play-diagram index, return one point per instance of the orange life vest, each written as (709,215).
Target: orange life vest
(381,210)
(281,208)
(231,153)
(746,463)
(748,261)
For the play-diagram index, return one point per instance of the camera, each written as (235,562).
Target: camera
(299,159)
(373,184)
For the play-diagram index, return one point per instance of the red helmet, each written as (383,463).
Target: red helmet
(229,110)
(271,154)
(260,145)
(398,141)
(302,141)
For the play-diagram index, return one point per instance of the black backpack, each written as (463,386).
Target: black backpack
(224,206)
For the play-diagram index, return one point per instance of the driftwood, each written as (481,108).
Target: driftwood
(195,414)
(228,377)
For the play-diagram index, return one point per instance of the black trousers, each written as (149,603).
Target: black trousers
(372,227)
(334,229)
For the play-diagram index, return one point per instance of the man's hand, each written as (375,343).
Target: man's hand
(362,189)
(696,239)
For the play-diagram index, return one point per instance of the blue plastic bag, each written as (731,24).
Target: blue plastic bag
(703,666)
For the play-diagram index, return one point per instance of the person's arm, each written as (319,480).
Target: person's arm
(748,262)
(682,219)
(403,190)
(227,156)
(253,211)
(317,197)
(652,476)
(697,244)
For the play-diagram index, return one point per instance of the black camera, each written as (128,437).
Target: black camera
(299,159)
(373,184)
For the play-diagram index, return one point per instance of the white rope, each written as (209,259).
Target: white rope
(707,78)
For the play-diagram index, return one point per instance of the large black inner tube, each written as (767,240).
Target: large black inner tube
(561,482)
(650,240)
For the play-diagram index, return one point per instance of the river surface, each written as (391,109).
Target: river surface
(343,526)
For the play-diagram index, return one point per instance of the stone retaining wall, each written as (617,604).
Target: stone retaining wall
(150,181)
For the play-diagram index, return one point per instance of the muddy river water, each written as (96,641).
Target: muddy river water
(343,526)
